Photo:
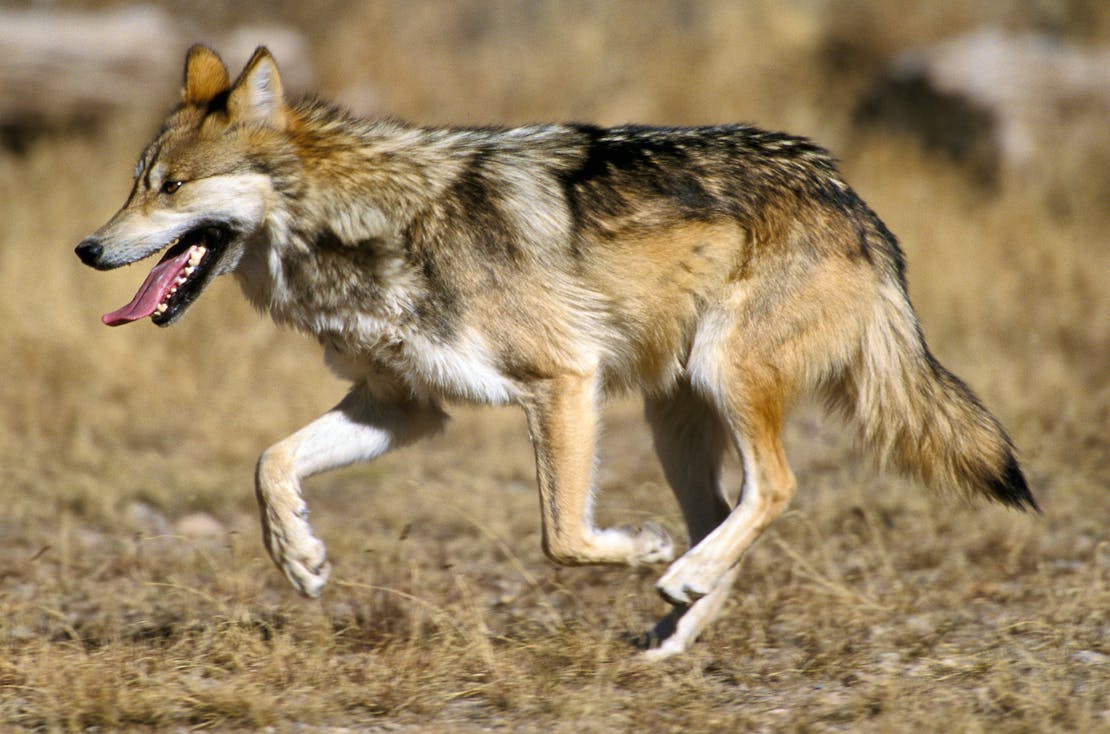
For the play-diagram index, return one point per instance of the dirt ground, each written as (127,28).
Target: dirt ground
(134,590)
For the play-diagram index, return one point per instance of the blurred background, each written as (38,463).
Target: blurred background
(977,131)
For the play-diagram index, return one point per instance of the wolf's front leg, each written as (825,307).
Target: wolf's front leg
(562,420)
(362,427)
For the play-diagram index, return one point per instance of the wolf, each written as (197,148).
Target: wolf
(720,271)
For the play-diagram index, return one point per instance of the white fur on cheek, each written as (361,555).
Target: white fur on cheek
(239,200)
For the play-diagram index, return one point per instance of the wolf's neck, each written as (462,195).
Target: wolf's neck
(335,253)
(370,178)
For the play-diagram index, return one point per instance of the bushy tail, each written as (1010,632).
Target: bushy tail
(920,417)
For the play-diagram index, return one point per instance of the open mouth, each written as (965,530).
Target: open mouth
(178,278)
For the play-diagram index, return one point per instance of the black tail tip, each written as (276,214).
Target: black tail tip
(1009,487)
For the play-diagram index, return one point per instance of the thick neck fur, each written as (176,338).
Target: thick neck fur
(334,256)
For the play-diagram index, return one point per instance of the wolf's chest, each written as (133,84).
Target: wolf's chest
(463,370)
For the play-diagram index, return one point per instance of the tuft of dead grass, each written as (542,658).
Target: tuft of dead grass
(870,606)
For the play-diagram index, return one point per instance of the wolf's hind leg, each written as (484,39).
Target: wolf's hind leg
(360,428)
(562,421)
(690,440)
(753,406)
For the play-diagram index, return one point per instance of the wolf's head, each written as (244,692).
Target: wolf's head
(202,189)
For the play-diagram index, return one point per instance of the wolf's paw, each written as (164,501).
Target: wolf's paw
(660,642)
(686,581)
(308,569)
(300,555)
(633,546)
(665,650)
(653,545)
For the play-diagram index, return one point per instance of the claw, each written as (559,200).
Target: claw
(308,581)
(683,583)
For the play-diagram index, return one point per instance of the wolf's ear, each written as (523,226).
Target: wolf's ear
(205,75)
(257,95)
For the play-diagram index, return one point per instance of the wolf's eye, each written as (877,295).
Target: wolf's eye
(171,186)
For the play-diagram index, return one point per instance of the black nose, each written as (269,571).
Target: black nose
(89,251)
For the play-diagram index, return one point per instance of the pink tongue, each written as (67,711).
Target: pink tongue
(151,292)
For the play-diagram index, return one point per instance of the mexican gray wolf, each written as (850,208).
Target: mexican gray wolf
(721,271)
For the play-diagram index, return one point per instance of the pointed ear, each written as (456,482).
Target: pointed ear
(205,75)
(257,95)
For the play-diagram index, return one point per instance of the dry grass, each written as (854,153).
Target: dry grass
(869,607)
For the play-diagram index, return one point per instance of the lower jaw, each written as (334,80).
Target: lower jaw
(173,309)
(187,292)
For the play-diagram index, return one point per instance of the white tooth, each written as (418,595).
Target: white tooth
(161,308)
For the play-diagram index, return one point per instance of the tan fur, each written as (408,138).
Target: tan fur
(562,419)
(205,75)
(720,271)
(658,283)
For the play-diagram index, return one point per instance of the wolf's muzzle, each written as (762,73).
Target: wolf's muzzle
(90,251)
